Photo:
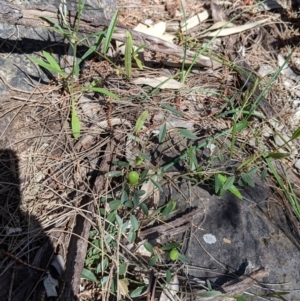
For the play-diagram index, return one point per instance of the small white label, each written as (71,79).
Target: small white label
(209,238)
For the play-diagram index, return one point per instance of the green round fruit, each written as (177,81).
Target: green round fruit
(174,254)
(133,178)
(139,160)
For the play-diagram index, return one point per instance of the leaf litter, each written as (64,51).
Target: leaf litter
(55,164)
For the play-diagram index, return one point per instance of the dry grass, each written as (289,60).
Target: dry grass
(58,174)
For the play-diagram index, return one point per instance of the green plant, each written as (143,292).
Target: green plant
(223,183)
(69,78)
(131,54)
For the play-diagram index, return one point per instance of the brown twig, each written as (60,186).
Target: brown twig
(177,224)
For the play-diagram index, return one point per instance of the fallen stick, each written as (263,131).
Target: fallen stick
(91,22)
(178,225)
(234,288)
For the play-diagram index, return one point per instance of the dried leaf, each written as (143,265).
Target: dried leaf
(123,286)
(154,82)
(171,289)
(229,31)
(196,20)
(156,30)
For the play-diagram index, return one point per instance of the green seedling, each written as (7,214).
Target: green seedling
(131,53)
(222,184)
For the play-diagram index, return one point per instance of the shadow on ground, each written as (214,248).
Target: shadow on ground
(25,248)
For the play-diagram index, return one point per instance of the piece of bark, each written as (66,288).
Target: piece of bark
(234,288)
(174,226)
(90,22)
(77,248)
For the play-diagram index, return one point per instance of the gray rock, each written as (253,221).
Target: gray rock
(236,237)
(17,41)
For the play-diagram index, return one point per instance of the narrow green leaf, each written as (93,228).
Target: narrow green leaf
(153,260)
(248,161)
(114,205)
(168,209)
(134,222)
(123,269)
(193,163)
(168,276)
(103,91)
(183,259)
(229,182)
(102,266)
(148,246)
(144,156)
(119,220)
(81,5)
(124,227)
(296,134)
(209,294)
(240,299)
(138,291)
(155,183)
(113,173)
(55,23)
(278,155)
(226,184)
(75,123)
(120,163)
(128,204)
(252,171)
(136,200)
(222,178)
(139,63)
(208,285)
(131,237)
(47,66)
(141,121)
(171,109)
(188,134)
(248,180)
(241,125)
(124,197)
(51,61)
(171,246)
(140,192)
(217,184)
(235,192)
(110,31)
(264,174)
(145,209)
(162,132)
(128,53)
(99,37)
(87,274)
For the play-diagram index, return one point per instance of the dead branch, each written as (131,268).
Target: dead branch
(236,289)
(90,22)
(178,225)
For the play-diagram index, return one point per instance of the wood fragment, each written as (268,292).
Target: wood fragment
(36,16)
(236,289)
(178,225)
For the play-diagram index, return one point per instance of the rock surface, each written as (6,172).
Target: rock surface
(16,42)
(237,237)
